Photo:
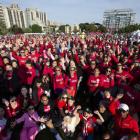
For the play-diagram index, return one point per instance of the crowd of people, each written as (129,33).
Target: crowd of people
(69,87)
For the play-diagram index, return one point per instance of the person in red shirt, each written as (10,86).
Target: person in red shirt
(59,82)
(34,55)
(37,91)
(72,82)
(135,71)
(70,108)
(124,123)
(122,77)
(48,70)
(108,79)
(94,81)
(61,103)
(30,73)
(90,70)
(90,123)
(105,64)
(13,107)
(22,58)
(94,85)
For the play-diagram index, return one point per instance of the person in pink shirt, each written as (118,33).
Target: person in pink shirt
(30,127)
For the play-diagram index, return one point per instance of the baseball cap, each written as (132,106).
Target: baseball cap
(124,107)
(87,110)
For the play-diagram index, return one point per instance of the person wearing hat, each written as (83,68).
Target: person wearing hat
(124,124)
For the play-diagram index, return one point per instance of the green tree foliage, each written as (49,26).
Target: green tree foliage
(101,28)
(62,28)
(15,30)
(27,30)
(36,28)
(92,27)
(130,28)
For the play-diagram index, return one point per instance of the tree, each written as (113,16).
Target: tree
(36,28)
(101,28)
(62,28)
(88,27)
(27,30)
(15,30)
(129,28)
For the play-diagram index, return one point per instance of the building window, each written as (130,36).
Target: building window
(16,21)
(22,19)
(10,17)
(37,15)
(32,16)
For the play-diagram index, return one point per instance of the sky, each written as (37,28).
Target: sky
(77,11)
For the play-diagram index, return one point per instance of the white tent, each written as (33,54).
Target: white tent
(136,36)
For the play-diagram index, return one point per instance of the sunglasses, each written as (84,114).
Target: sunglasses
(64,97)
(31,108)
(72,70)
(57,70)
(108,70)
(44,100)
(122,111)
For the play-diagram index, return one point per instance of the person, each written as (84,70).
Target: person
(122,77)
(72,82)
(44,106)
(124,123)
(50,132)
(59,82)
(3,120)
(10,82)
(30,127)
(106,125)
(90,123)
(94,85)
(108,80)
(37,91)
(12,107)
(30,73)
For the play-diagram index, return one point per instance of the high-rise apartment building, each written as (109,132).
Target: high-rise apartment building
(118,18)
(34,16)
(13,15)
